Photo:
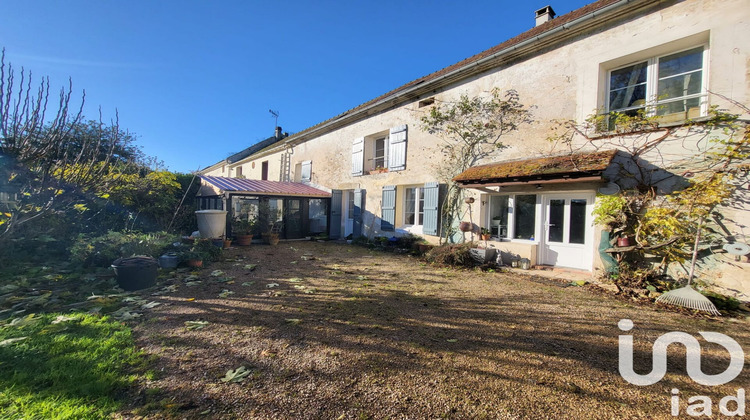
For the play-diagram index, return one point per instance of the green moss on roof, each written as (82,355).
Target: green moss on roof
(568,164)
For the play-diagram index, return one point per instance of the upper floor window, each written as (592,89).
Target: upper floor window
(670,86)
(238,172)
(381,151)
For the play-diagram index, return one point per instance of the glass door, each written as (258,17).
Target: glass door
(568,239)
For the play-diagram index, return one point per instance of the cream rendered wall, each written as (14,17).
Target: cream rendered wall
(566,82)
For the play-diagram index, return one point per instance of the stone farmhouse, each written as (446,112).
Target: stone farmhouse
(373,171)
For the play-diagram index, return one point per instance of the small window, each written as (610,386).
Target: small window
(264,170)
(670,86)
(426,102)
(379,155)
(306,171)
(238,172)
(380,152)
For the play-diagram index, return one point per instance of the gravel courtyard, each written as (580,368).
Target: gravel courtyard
(335,331)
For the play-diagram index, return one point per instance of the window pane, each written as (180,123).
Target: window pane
(318,215)
(628,97)
(692,106)
(627,87)
(499,215)
(577,233)
(379,160)
(420,217)
(525,210)
(556,220)
(628,76)
(409,206)
(681,62)
(682,85)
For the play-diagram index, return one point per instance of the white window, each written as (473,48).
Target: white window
(672,86)
(379,152)
(413,206)
(513,216)
(306,171)
(379,159)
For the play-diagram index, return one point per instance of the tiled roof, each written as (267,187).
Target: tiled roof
(555,167)
(254,148)
(260,187)
(557,22)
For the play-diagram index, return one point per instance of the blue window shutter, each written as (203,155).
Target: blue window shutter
(359,211)
(388,215)
(358,156)
(431,209)
(397,149)
(336,208)
(306,172)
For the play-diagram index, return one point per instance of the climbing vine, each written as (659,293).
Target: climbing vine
(667,195)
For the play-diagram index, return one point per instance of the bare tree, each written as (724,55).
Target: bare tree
(471,129)
(39,164)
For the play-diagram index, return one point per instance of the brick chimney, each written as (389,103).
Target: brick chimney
(545,14)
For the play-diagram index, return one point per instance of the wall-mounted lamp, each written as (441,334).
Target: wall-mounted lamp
(539,186)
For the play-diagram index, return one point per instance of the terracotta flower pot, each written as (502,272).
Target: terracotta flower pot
(623,241)
(243,240)
(195,263)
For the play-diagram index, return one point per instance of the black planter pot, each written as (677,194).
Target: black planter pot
(135,273)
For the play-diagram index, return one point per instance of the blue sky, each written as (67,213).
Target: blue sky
(194,80)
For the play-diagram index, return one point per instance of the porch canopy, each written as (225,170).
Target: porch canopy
(262,187)
(577,167)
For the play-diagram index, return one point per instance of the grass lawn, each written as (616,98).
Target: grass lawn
(70,366)
(325,330)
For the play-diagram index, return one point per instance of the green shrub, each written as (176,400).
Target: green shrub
(102,250)
(207,250)
(723,302)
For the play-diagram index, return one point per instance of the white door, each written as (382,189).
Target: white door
(568,232)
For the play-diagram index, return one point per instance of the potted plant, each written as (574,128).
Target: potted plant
(485,234)
(378,170)
(135,273)
(228,242)
(242,229)
(193,258)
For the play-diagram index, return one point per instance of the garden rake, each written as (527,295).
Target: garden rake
(686,296)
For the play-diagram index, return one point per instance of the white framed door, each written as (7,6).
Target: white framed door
(568,232)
